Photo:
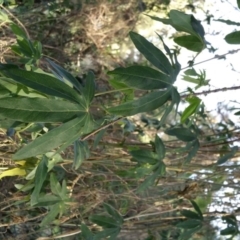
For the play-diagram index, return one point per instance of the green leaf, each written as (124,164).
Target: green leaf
(183,134)
(237,113)
(63,75)
(190,214)
(55,185)
(144,156)
(188,233)
(230,219)
(228,22)
(19,89)
(3,16)
(175,64)
(238,3)
(182,22)
(40,177)
(233,38)
(4,92)
(89,89)
(191,109)
(150,180)
(227,156)
(197,209)
(197,27)
(160,148)
(189,224)
(89,124)
(19,32)
(98,137)
(229,231)
(38,109)
(176,98)
(191,72)
(81,152)
(141,77)
(38,49)
(86,233)
(192,151)
(108,233)
(113,213)
(25,47)
(54,138)
(104,221)
(190,42)
(41,82)
(166,21)
(54,211)
(151,53)
(47,200)
(122,87)
(147,103)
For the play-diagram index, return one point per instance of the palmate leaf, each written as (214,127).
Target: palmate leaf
(141,77)
(68,131)
(183,22)
(41,82)
(19,89)
(104,221)
(64,75)
(175,64)
(113,213)
(86,233)
(147,103)
(107,233)
(186,23)
(151,53)
(38,109)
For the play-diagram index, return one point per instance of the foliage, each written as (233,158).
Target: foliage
(59,113)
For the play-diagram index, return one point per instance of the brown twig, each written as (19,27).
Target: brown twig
(211,91)
(215,57)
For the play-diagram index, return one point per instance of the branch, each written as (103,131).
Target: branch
(101,128)
(210,91)
(215,57)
